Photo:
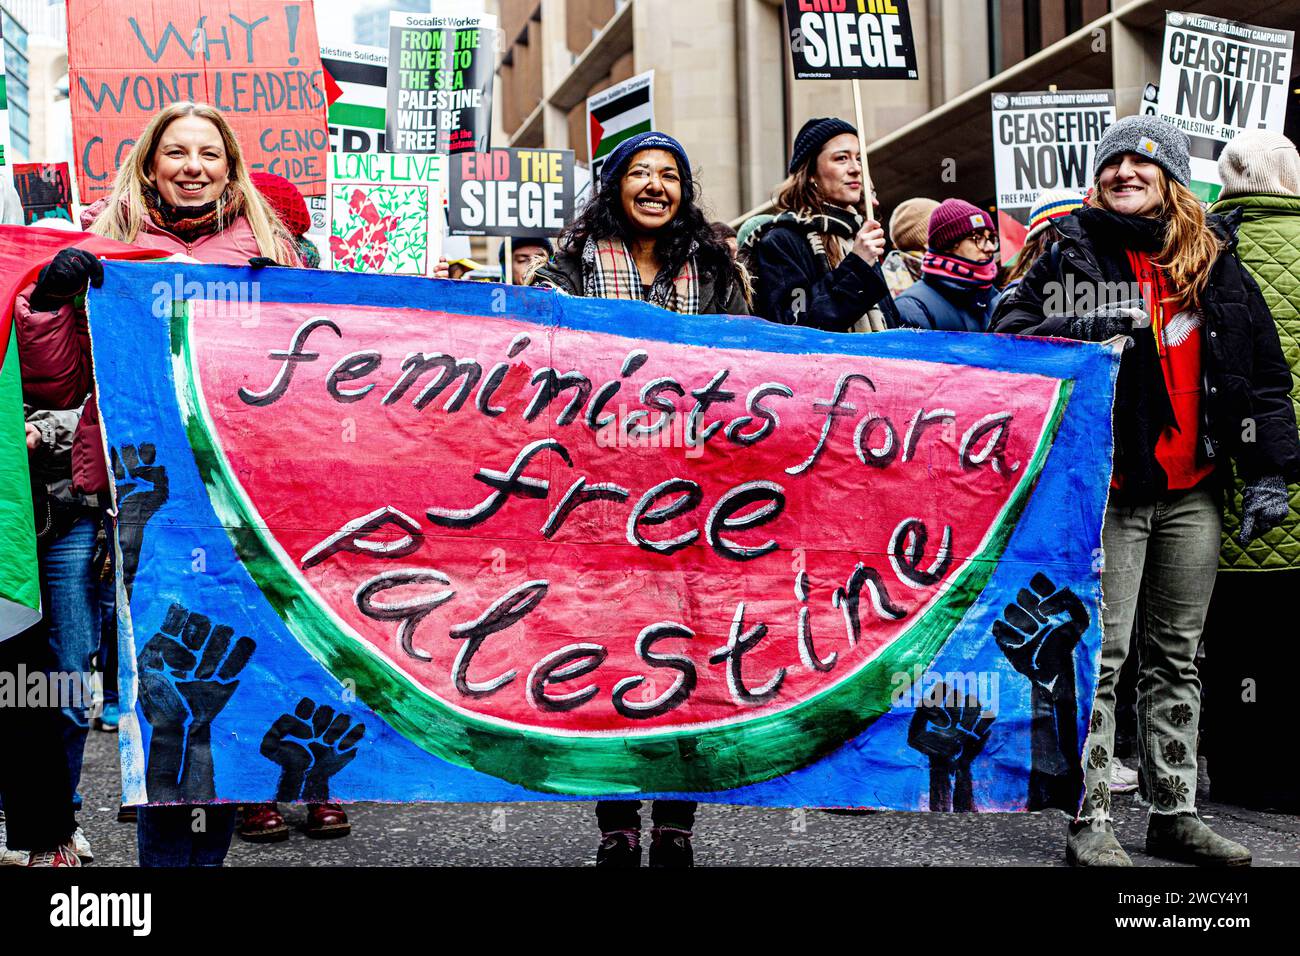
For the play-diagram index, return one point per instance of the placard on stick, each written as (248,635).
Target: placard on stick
(511,192)
(1220,77)
(440,71)
(617,113)
(851,39)
(45,190)
(1045,140)
(385,213)
(257,61)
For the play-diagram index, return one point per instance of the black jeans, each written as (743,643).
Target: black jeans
(626,814)
(34,780)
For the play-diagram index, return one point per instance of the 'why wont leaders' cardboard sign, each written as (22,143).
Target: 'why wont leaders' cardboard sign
(851,39)
(440,83)
(511,192)
(257,61)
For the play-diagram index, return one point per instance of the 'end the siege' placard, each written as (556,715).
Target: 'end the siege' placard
(511,192)
(258,61)
(440,72)
(851,39)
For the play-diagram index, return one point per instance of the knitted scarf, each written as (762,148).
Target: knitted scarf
(610,272)
(187,222)
(965,272)
(834,224)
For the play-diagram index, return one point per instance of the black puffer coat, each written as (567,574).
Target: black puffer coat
(788,276)
(1245,377)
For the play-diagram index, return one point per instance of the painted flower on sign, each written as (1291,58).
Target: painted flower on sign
(377,228)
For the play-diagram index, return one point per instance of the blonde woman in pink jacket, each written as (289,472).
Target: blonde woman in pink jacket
(184,188)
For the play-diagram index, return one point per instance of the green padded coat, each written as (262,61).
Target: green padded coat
(1269,247)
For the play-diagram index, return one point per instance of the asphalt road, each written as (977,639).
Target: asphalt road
(564,834)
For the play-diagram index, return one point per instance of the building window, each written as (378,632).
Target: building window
(1033,26)
(1073,15)
(994,8)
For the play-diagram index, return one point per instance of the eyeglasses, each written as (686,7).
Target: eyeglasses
(987,239)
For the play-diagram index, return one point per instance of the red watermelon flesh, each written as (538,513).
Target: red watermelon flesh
(309,464)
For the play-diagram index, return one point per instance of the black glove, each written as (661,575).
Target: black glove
(65,278)
(1263,508)
(1102,324)
(261,262)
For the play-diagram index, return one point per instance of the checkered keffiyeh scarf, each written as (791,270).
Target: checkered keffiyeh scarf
(610,273)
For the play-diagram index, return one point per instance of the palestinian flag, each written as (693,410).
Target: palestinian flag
(24,250)
(616,114)
(356,81)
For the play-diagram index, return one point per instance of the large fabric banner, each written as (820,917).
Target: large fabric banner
(407,539)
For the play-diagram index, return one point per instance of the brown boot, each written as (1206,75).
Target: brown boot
(325,821)
(263,823)
(1089,845)
(1184,837)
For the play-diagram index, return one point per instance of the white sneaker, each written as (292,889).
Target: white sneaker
(81,846)
(10,857)
(59,856)
(1122,779)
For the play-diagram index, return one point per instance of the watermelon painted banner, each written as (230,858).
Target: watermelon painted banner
(411,539)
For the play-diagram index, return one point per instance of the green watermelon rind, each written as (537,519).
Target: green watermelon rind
(689,759)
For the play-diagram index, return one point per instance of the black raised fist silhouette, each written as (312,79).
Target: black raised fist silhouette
(1034,638)
(187,676)
(951,729)
(311,745)
(141,490)
(1038,635)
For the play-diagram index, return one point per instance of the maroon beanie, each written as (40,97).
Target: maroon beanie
(284,199)
(953,219)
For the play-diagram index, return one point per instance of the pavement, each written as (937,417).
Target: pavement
(564,834)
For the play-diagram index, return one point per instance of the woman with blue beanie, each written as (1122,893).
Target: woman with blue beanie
(643,236)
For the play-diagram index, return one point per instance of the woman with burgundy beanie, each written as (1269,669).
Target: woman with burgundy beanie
(1203,385)
(183,189)
(818,262)
(956,291)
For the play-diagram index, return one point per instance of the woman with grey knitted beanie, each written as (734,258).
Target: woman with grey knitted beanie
(1203,385)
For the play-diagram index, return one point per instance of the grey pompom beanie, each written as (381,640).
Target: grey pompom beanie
(1165,145)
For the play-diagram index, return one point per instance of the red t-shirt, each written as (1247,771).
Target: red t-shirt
(1178,343)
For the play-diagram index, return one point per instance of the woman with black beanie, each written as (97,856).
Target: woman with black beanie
(818,262)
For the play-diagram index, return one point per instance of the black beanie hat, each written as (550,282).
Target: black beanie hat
(814,135)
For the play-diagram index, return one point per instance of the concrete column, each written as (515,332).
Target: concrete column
(1135,62)
(760,50)
(556,62)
